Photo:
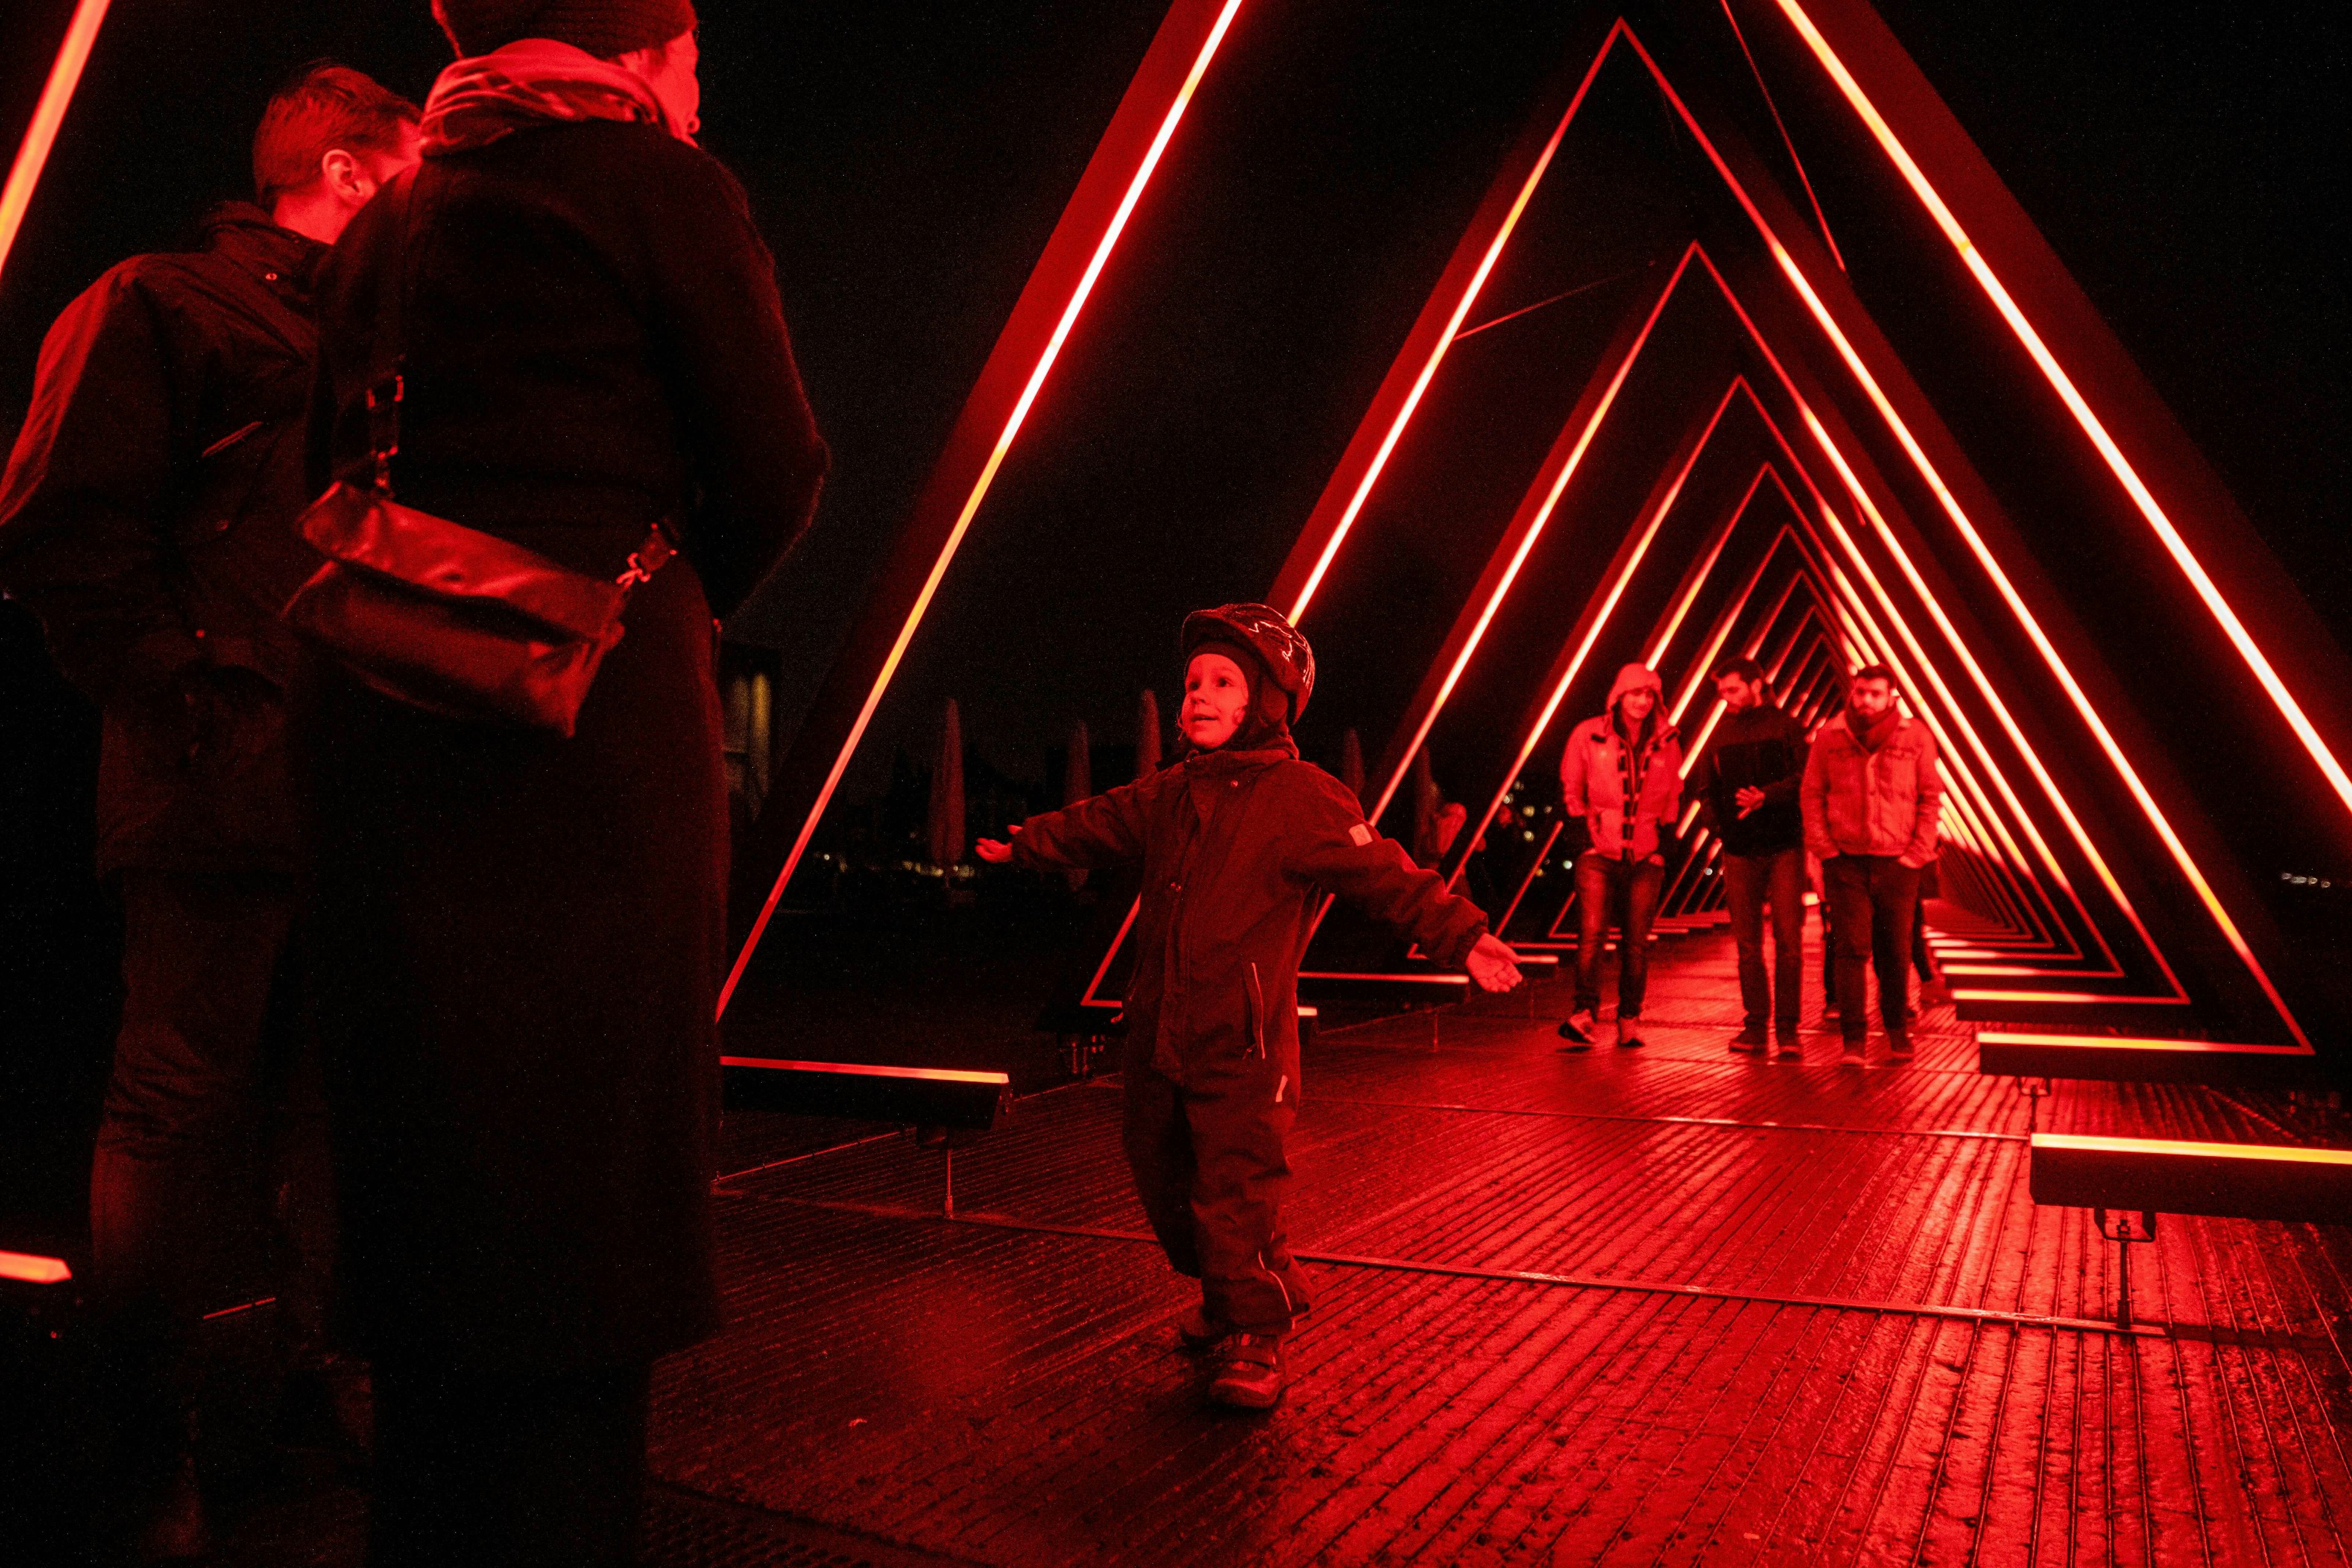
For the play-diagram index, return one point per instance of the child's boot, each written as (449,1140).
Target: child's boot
(1197,1331)
(1250,1377)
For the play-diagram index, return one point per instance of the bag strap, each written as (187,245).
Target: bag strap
(388,355)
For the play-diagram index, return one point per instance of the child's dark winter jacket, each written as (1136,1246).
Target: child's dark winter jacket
(1234,847)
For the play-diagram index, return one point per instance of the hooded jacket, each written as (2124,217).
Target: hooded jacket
(1235,848)
(1861,802)
(147,519)
(1592,775)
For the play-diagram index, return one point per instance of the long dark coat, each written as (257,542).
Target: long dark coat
(147,519)
(524,934)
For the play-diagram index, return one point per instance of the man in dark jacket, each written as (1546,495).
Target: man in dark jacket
(146,518)
(1238,842)
(1746,781)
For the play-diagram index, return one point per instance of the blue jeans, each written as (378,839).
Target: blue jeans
(1749,881)
(1875,896)
(1601,884)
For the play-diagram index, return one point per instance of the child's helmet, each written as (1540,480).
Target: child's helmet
(1265,631)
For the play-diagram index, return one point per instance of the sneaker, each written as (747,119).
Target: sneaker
(1899,1045)
(1577,1030)
(1790,1049)
(1852,1056)
(1197,1331)
(1934,994)
(1629,1032)
(1250,1377)
(1751,1040)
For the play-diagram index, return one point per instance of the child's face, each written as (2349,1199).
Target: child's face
(1216,700)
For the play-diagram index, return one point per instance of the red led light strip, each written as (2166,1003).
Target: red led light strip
(1079,293)
(1412,401)
(2064,385)
(1533,531)
(49,114)
(31,1268)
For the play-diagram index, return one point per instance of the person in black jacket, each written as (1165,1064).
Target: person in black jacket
(147,518)
(524,933)
(1746,781)
(1238,842)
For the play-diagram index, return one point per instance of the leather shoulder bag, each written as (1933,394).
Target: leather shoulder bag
(438,616)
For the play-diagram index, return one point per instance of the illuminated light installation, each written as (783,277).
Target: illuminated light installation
(49,114)
(2111,455)
(1885,652)
(1999,578)
(1115,178)
(1852,484)
(1561,469)
(1440,337)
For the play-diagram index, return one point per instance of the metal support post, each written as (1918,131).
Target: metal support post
(2121,1231)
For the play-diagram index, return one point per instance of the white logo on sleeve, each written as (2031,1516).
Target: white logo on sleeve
(1360,835)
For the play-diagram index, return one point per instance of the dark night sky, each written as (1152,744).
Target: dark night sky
(906,164)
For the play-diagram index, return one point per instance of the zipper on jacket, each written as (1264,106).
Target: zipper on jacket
(1256,1012)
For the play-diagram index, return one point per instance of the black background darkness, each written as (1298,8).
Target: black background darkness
(906,164)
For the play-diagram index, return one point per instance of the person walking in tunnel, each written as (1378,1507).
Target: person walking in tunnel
(1622,774)
(1746,781)
(524,932)
(1872,798)
(147,519)
(1239,841)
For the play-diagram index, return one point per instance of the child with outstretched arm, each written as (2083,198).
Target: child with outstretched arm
(1238,840)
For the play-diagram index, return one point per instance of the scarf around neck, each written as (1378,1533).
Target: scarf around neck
(530,83)
(1874,736)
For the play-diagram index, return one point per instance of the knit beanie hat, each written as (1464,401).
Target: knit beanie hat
(602,27)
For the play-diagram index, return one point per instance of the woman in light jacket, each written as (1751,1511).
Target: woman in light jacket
(1621,774)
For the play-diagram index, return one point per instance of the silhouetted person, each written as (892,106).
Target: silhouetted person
(524,933)
(1746,781)
(147,519)
(1619,774)
(1874,800)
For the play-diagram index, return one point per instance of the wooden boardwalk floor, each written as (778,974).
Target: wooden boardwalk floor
(1667,1306)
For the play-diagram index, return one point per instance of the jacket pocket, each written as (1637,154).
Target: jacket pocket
(1256,1012)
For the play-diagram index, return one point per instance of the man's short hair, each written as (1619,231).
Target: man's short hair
(1747,669)
(322,106)
(1870,672)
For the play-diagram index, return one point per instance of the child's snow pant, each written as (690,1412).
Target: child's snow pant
(1212,1164)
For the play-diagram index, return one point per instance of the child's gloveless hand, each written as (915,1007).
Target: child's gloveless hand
(996,851)
(1493,964)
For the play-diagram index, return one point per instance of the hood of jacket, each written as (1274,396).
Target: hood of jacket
(1633,678)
